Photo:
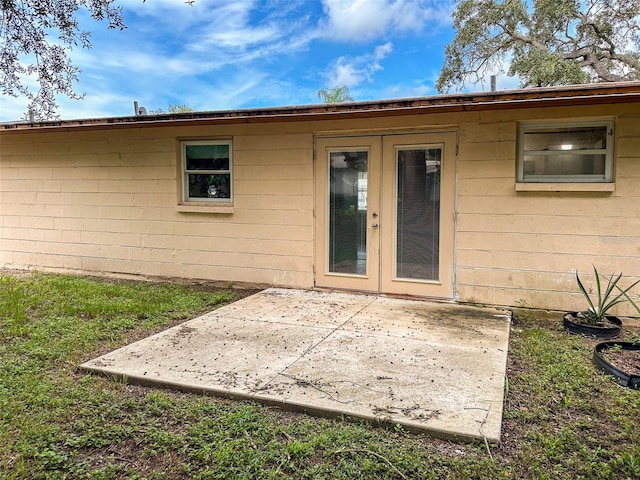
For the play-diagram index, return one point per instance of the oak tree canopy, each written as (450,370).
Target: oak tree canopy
(543,42)
(35,39)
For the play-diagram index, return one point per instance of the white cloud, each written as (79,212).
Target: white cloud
(243,53)
(345,74)
(211,35)
(407,91)
(180,14)
(226,44)
(353,71)
(243,88)
(228,25)
(240,37)
(12,108)
(503,82)
(382,51)
(121,61)
(366,20)
(95,105)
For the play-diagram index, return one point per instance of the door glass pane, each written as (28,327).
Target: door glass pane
(348,212)
(418,213)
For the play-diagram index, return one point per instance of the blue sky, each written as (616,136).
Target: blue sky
(228,54)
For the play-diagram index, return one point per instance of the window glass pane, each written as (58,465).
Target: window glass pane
(568,164)
(348,173)
(207,157)
(209,186)
(566,152)
(418,213)
(578,138)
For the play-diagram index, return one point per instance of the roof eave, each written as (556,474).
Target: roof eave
(508,99)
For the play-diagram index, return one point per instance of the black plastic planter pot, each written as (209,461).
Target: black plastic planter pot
(572,325)
(625,379)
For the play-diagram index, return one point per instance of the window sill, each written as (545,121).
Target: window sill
(565,187)
(225,209)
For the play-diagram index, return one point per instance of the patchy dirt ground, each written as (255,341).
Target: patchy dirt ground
(627,361)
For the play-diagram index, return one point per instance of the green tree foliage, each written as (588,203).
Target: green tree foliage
(178,108)
(35,39)
(543,42)
(335,95)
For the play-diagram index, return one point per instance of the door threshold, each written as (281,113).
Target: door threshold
(400,296)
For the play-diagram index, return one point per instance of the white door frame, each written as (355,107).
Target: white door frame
(381,214)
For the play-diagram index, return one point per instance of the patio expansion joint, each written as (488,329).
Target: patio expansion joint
(332,331)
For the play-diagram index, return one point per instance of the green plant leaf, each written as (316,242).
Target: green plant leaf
(606,299)
(599,313)
(606,305)
(584,293)
(627,297)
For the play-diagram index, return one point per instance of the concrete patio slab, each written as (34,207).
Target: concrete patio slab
(430,367)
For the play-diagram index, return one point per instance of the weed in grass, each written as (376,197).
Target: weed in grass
(160,440)
(628,463)
(158,402)
(299,450)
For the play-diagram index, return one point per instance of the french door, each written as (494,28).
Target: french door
(385,213)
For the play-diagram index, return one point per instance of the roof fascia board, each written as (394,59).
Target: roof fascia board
(485,101)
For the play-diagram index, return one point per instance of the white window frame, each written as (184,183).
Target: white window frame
(532,127)
(185,173)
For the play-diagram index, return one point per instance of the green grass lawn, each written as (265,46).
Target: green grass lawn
(562,419)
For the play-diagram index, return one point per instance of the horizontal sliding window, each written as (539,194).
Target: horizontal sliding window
(207,171)
(565,152)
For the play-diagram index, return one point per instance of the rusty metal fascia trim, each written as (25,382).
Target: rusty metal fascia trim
(446,104)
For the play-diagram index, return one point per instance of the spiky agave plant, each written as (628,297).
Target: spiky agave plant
(606,300)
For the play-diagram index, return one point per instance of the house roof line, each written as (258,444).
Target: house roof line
(506,99)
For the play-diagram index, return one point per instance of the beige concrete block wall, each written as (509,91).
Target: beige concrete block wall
(105,201)
(523,248)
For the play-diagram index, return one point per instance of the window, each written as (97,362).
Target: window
(206,171)
(565,152)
